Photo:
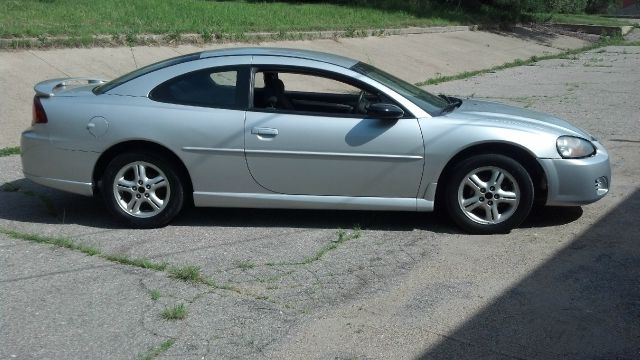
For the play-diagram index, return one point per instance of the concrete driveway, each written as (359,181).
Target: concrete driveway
(346,285)
(422,56)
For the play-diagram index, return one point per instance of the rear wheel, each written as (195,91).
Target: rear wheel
(489,193)
(142,190)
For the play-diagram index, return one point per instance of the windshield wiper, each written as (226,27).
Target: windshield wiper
(453,103)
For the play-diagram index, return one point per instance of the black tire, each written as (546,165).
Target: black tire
(480,205)
(123,168)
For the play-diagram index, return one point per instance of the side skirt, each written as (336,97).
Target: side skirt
(281,201)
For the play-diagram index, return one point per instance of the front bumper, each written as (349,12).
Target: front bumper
(573,182)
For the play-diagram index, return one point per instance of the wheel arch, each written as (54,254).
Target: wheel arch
(141,145)
(518,153)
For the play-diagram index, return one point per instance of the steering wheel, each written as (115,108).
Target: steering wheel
(361,105)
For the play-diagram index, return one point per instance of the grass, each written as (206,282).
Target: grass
(137,262)
(532,60)
(56,241)
(185,273)
(177,312)
(245,265)
(8,151)
(155,295)
(155,352)
(79,18)
(581,19)
(188,273)
(85,249)
(341,237)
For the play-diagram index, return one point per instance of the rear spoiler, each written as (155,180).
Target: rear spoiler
(49,87)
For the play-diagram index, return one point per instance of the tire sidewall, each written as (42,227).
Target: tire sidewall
(176,198)
(520,175)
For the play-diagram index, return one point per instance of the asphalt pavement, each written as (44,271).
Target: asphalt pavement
(345,285)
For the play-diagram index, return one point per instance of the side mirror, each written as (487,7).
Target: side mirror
(385,111)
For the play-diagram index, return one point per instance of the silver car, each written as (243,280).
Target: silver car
(283,128)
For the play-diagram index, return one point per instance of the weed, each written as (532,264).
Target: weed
(9,187)
(188,273)
(130,38)
(350,32)
(155,295)
(569,54)
(173,37)
(137,262)
(207,36)
(177,312)
(341,237)
(155,352)
(57,241)
(245,265)
(9,151)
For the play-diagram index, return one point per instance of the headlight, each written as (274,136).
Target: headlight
(574,147)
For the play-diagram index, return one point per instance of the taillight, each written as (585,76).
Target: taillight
(39,116)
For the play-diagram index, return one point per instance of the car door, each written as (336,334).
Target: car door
(306,136)
(200,116)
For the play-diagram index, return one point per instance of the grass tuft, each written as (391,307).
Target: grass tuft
(188,273)
(155,352)
(9,187)
(177,312)
(8,151)
(245,265)
(155,295)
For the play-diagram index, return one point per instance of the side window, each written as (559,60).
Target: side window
(208,88)
(309,93)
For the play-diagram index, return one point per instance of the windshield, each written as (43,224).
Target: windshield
(101,89)
(428,102)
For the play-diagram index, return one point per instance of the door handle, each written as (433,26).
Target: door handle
(264,131)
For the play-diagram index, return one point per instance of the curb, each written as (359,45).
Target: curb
(215,38)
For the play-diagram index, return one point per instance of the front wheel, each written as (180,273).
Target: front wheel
(489,193)
(142,190)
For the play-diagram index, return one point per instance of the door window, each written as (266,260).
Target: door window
(299,92)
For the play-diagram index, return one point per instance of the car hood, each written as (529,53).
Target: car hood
(489,113)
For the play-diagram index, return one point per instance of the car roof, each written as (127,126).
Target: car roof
(282,52)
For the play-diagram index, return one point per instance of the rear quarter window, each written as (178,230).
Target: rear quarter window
(213,88)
